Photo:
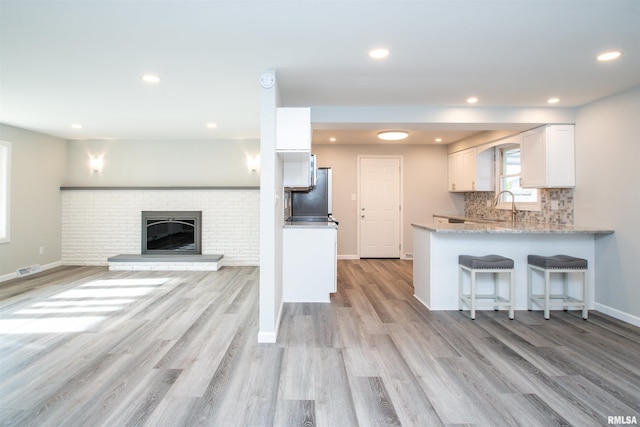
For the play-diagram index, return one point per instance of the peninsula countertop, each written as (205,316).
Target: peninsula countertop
(508,227)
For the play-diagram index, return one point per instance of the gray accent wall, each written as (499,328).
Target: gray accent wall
(607,195)
(38,168)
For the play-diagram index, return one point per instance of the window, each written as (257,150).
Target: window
(5,186)
(509,179)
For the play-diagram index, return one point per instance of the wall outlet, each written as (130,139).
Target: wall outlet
(489,203)
(554,205)
(41,250)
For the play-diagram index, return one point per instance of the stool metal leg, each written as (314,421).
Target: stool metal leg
(585,310)
(565,290)
(529,278)
(511,295)
(460,278)
(473,295)
(547,294)
(496,289)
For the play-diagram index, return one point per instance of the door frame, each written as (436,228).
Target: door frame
(401,190)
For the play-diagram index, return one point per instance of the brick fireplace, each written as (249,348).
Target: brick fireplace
(99,223)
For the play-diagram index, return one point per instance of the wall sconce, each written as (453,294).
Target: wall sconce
(253,163)
(96,164)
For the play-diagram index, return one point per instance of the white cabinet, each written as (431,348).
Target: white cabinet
(548,157)
(471,170)
(293,130)
(297,173)
(293,145)
(309,270)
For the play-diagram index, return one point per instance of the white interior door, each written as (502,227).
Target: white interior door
(379,207)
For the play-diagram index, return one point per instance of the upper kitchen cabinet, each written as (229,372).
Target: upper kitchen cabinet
(471,170)
(548,157)
(293,132)
(293,145)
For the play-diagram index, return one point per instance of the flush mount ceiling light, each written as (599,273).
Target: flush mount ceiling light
(393,135)
(378,53)
(472,100)
(608,56)
(553,100)
(76,126)
(212,125)
(150,78)
(438,139)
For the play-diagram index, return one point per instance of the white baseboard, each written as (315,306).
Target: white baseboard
(620,315)
(14,275)
(421,302)
(271,337)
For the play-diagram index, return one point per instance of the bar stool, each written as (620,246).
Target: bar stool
(563,264)
(495,264)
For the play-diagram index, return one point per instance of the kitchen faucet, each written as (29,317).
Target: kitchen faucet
(514,212)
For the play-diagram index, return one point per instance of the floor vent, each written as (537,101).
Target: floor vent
(408,255)
(32,269)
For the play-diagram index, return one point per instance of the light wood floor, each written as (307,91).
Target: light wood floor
(83,346)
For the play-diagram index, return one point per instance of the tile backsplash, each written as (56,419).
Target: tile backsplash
(475,205)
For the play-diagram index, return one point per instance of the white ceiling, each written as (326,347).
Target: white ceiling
(81,61)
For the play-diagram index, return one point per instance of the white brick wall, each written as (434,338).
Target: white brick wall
(97,224)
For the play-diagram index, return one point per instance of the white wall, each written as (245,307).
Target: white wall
(37,171)
(607,195)
(163,163)
(424,178)
(271,219)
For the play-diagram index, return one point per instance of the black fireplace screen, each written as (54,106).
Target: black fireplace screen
(175,232)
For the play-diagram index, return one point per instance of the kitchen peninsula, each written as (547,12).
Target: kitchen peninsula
(437,247)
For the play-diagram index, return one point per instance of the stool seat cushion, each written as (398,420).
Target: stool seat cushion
(485,262)
(557,261)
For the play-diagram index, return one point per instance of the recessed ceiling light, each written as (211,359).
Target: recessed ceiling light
(379,53)
(332,139)
(553,100)
(438,139)
(76,126)
(472,100)
(212,125)
(150,78)
(393,135)
(608,56)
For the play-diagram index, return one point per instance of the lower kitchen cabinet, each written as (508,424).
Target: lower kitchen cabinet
(309,271)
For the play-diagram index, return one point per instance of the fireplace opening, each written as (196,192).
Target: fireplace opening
(171,232)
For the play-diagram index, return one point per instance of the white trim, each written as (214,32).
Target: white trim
(14,275)
(401,197)
(520,206)
(618,314)
(348,257)
(271,337)
(5,193)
